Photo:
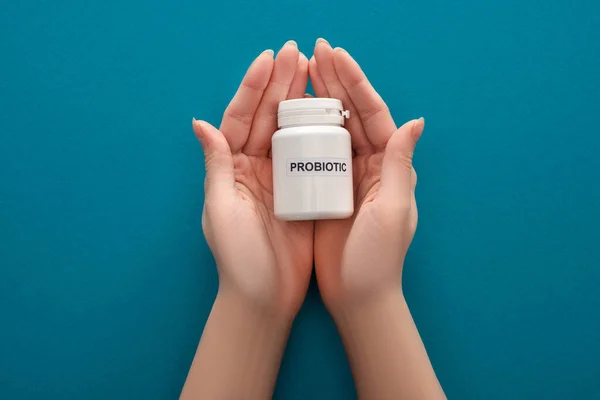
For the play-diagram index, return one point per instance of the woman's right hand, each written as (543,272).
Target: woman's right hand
(362,257)
(359,260)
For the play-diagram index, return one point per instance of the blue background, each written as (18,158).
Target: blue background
(106,281)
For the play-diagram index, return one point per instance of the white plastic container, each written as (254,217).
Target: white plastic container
(312,161)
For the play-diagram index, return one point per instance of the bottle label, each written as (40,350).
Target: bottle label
(318,167)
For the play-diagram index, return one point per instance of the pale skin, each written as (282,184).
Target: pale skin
(265,264)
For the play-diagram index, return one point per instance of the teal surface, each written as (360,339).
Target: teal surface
(106,281)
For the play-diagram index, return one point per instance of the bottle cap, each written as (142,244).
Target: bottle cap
(311,111)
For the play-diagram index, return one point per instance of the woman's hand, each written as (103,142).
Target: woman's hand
(264,264)
(363,256)
(359,261)
(261,260)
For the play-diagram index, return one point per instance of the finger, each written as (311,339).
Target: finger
(324,57)
(298,86)
(396,170)
(372,110)
(237,119)
(316,79)
(265,119)
(218,160)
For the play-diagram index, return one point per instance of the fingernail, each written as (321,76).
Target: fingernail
(340,50)
(199,131)
(292,43)
(419,126)
(269,52)
(301,55)
(321,40)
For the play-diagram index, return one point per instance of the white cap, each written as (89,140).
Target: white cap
(311,111)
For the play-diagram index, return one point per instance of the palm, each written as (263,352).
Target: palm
(288,244)
(331,236)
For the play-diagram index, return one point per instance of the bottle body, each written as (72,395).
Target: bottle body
(312,173)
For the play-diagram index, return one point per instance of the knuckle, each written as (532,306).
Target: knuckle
(369,113)
(353,83)
(414,177)
(401,208)
(244,118)
(402,158)
(255,84)
(394,215)
(204,221)
(210,160)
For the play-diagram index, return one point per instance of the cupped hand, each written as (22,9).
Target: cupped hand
(362,257)
(260,259)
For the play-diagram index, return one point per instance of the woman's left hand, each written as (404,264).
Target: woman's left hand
(264,264)
(261,260)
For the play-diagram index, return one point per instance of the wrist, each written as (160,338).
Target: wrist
(262,292)
(241,343)
(254,312)
(385,351)
(355,301)
(368,309)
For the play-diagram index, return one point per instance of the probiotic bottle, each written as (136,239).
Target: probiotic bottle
(312,161)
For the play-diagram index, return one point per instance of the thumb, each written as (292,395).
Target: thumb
(217,159)
(396,170)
